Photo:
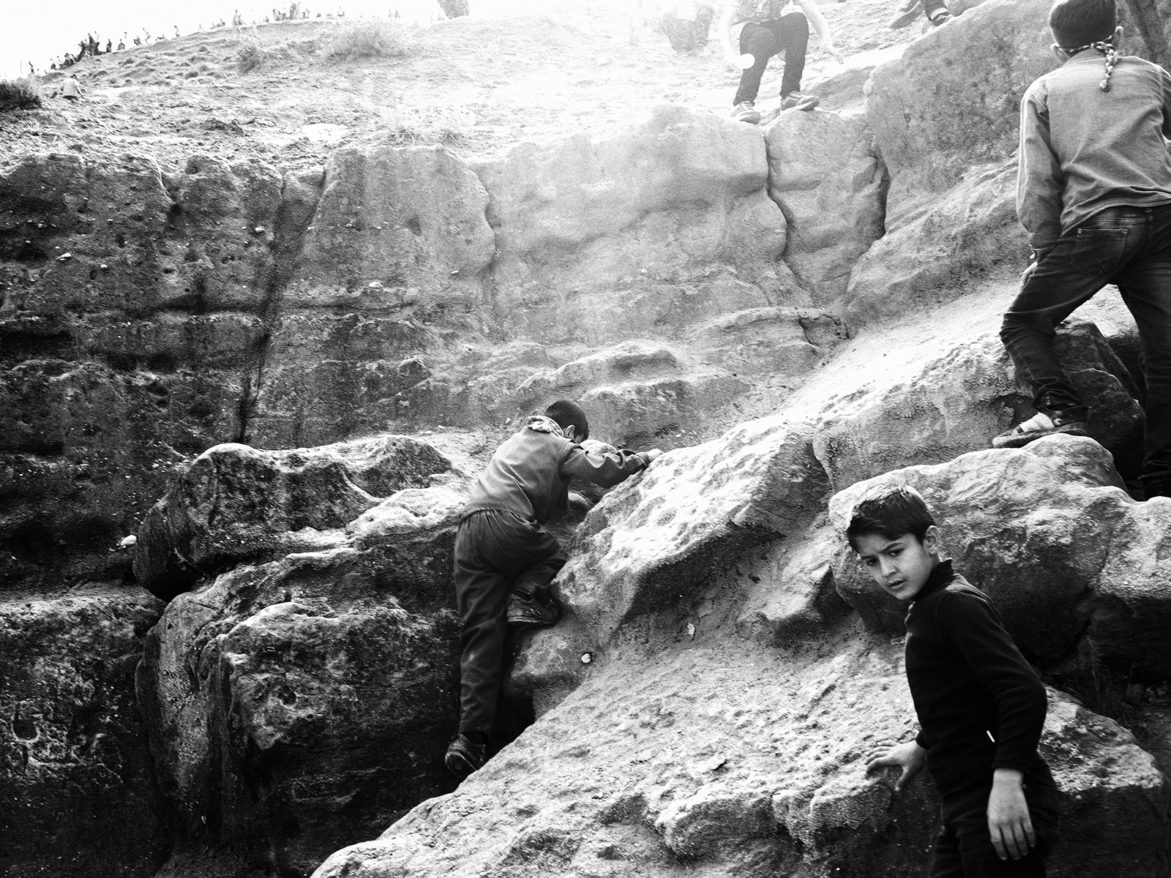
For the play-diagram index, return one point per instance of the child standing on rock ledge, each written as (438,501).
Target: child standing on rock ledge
(1094,194)
(505,559)
(980,705)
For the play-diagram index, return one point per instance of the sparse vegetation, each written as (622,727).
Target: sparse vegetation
(369,39)
(450,126)
(19,94)
(251,54)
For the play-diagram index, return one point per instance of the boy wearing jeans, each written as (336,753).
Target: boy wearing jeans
(980,705)
(505,559)
(1094,195)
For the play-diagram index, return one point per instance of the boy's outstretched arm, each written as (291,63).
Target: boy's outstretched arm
(606,468)
(1008,815)
(909,757)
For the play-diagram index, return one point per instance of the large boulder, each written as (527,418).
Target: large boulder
(235,503)
(716,759)
(301,704)
(1072,562)
(79,794)
(825,174)
(584,225)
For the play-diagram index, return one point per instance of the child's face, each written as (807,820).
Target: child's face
(900,566)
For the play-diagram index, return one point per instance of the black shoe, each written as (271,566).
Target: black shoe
(463,756)
(536,610)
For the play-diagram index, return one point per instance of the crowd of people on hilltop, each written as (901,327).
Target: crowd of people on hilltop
(92,46)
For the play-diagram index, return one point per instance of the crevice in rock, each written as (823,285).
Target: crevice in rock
(293,219)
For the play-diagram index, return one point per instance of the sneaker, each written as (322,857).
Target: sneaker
(795,100)
(463,756)
(1040,424)
(940,18)
(910,11)
(536,610)
(745,112)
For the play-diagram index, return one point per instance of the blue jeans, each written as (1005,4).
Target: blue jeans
(496,553)
(1126,246)
(788,34)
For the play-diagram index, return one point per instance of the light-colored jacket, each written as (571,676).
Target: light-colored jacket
(1083,150)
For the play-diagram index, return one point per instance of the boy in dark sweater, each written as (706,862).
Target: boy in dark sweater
(1094,195)
(980,705)
(505,559)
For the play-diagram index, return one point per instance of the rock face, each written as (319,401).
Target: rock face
(298,704)
(794,312)
(724,761)
(78,781)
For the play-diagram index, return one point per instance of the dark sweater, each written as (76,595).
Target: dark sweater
(530,472)
(969,680)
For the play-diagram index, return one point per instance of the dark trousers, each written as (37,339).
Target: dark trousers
(1126,246)
(496,553)
(964,848)
(788,34)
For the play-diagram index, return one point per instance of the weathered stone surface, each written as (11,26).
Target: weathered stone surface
(1074,565)
(300,705)
(952,99)
(650,546)
(235,503)
(78,793)
(938,248)
(929,410)
(394,226)
(825,175)
(720,760)
(583,217)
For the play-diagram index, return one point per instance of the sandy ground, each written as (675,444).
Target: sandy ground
(477,84)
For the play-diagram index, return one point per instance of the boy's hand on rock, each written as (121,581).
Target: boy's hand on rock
(740,63)
(1008,815)
(909,757)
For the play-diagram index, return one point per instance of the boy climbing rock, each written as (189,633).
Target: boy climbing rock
(1094,195)
(769,30)
(505,559)
(980,705)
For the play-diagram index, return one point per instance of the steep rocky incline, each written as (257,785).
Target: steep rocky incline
(307,357)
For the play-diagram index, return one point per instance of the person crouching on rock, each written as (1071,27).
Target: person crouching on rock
(1094,194)
(768,30)
(980,705)
(505,559)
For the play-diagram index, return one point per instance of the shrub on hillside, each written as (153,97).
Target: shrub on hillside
(368,39)
(251,54)
(19,94)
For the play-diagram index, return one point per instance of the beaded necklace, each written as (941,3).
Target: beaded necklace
(1106,47)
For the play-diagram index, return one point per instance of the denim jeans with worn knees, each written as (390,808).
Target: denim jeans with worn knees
(1131,248)
(788,34)
(495,553)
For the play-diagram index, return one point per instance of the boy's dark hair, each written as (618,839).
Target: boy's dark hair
(1080,22)
(567,413)
(893,513)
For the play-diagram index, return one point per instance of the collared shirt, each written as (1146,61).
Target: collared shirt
(1083,150)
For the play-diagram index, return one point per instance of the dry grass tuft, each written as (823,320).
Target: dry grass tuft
(449,126)
(19,94)
(369,39)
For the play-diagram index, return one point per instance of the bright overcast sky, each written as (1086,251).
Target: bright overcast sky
(40,30)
